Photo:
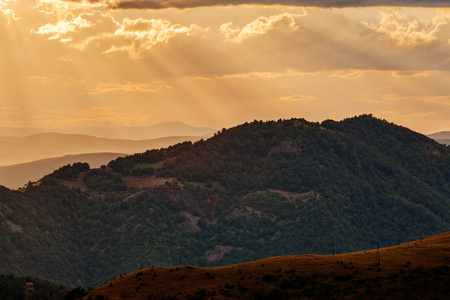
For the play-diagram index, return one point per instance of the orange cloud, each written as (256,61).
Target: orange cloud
(10,111)
(63,27)
(297,98)
(408,31)
(109,87)
(95,115)
(260,26)
(143,34)
(163,4)
(8,12)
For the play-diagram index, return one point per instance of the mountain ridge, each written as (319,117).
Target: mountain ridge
(49,145)
(159,130)
(388,273)
(16,176)
(257,190)
(442,137)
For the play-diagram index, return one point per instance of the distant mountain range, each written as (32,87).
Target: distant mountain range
(159,130)
(16,176)
(27,154)
(442,137)
(257,190)
(16,150)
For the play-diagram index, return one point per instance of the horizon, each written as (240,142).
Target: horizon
(108,63)
(61,129)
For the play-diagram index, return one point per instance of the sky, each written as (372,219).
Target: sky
(221,63)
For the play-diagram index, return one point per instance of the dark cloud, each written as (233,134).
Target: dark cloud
(161,4)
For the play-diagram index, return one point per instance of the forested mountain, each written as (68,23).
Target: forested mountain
(257,190)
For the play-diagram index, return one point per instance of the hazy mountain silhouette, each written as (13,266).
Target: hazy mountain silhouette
(442,137)
(16,150)
(159,130)
(16,176)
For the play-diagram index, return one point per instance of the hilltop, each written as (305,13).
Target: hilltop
(415,270)
(257,190)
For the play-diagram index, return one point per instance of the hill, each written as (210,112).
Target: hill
(415,270)
(258,190)
(16,176)
(50,145)
(442,137)
(160,130)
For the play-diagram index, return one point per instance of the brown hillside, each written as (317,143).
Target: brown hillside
(415,270)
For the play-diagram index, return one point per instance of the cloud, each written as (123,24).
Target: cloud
(438,100)
(8,12)
(297,98)
(406,30)
(100,30)
(94,115)
(110,87)
(65,58)
(409,74)
(162,4)
(348,74)
(142,34)
(63,27)
(266,75)
(10,111)
(260,26)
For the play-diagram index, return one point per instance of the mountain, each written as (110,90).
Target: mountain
(160,130)
(415,270)
(257,190)
(16,176)
(442,137)
(50,145)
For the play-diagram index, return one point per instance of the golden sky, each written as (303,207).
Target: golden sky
(112,62)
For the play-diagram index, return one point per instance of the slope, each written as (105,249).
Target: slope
(442,137)
(51,145)
(415,270)
(16,176)
(257,190)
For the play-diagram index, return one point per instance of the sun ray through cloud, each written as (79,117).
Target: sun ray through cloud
(223,63)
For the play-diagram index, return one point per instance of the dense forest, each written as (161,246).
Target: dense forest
(24,288)
(256,190)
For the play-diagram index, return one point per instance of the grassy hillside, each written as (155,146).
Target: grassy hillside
(415,270)
(257,190)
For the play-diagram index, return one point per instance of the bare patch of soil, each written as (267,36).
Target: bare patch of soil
(147,181)
(218,252)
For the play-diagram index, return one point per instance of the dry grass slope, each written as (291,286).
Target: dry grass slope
(415,270)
